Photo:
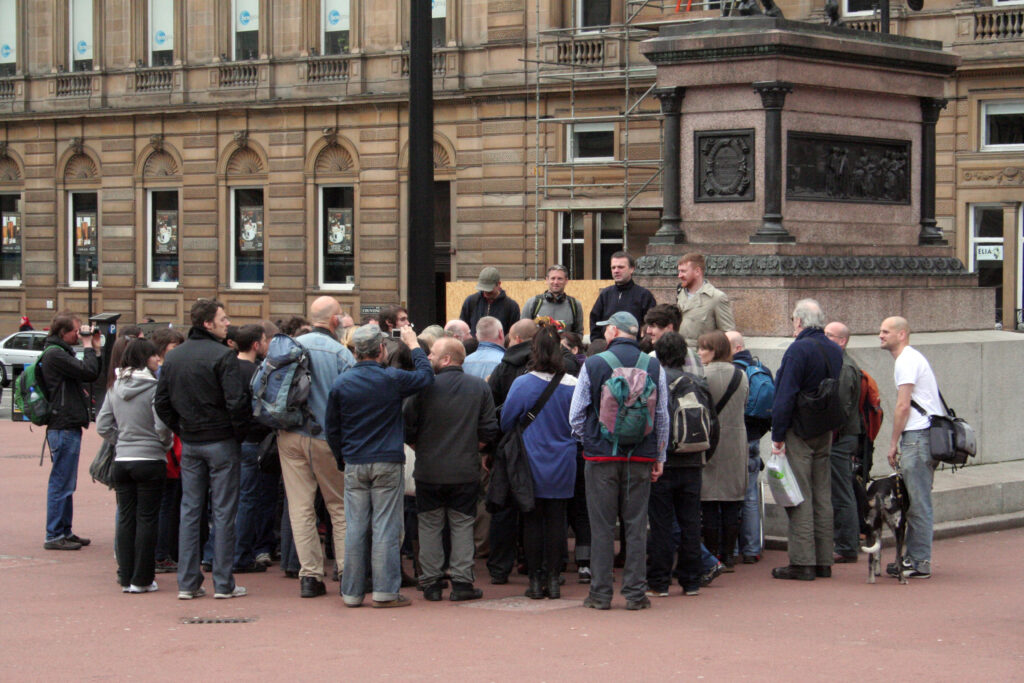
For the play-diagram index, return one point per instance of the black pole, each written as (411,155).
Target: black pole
(670,231)
(420,249)
(930,232)
(88,268)
(773,98)
(883,12)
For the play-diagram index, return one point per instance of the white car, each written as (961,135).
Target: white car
(18,349)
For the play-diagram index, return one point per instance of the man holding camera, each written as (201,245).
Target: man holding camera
(65,377)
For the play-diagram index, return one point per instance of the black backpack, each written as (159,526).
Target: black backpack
(693,419)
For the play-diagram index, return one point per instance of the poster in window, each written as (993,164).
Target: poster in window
(166,232)
(339,231)
(85,233)
(250,237)
(11,233)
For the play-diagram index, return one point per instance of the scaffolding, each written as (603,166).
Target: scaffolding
(572,64)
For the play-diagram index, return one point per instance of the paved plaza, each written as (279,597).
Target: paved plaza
(64,617)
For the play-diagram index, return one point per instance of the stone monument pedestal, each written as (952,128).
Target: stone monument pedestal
(806,168)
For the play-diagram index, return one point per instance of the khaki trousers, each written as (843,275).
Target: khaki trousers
(305,464)
(810,522)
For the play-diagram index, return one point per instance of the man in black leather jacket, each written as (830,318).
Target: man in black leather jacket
(200,396)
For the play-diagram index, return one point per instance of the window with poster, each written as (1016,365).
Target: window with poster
(337,255)
(161,32)
(83,237)
(246,22)
(8,38)
(335,19)
(986,253)
(248,232)
(81,35)
(10,250)
(163,238)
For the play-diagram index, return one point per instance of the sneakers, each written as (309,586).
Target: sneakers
(62,544)
(652,593)
(264,559)
(166,567)
(710,575)
(190,595)
(691,591)
(642,603)
(79,540)
(907,569)
(237,592)
(751,559)
(141,589)
(400,601)
(593,603)
(583,575)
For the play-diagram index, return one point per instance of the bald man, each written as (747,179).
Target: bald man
(917,397)
(306,459)
(845,525)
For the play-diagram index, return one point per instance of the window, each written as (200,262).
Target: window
(81,35)
(8,38)
(337,237)
(986,257)
(164,238)
(591,142)
(83,236)
(334,16)
(854,8)
(247,255)
(438,15)
(161,32)
(593,13)
(246,16)
(570,245)
(10,250)
(609,230)
(578,229)
(1002,125)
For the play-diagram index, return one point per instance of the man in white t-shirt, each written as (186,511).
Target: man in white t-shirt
(909,447)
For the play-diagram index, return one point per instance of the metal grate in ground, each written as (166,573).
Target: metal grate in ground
(218,620)
(522,604)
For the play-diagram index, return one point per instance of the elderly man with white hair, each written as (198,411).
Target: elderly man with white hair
(811,358)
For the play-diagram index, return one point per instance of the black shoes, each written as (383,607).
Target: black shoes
(498,580)
(79,540)
(536,590)
(206,567)
(593,603)
(823,571)
(843,559)
(795,573)
(254,568)
(463,591)
(311,587)
(554,587)
(62,544)
(642,603)
(433,591)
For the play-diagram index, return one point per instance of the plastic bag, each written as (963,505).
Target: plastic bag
(782,481)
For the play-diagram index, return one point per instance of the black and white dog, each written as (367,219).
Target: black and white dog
(887,505)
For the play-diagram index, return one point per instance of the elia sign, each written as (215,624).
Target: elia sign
(988,252)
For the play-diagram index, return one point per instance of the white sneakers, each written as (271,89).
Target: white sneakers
(140,589)
(238,592)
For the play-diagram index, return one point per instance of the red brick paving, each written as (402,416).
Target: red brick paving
(64,617)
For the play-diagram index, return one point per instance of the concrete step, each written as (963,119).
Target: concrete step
(971,500)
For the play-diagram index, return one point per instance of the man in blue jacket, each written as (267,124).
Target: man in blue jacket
(807,361)
(366,434)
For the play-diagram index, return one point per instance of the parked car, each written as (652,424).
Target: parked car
(18,349)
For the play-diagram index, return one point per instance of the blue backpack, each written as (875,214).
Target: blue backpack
(281,385)
(762,390)
(628,398)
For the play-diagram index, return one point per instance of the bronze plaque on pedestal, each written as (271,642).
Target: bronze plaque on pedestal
(844,168)
(724,165)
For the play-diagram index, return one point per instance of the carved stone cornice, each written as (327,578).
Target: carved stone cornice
(773,93)
(671,99)
(738,265)
(931,107)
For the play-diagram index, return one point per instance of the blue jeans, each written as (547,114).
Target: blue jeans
(373,509)
(675,497)
(65,445)
(208,466)
(248,505)
(918,470)
(750,517)
(845,524)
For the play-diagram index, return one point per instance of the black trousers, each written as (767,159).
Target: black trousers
(544,532)
(139,485)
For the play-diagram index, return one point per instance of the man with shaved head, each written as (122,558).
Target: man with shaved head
(306,459)
(917,398)
(448,423)
(845,525)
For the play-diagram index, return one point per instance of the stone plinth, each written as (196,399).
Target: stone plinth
(806,168)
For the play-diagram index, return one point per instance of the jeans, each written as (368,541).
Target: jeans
(65,445)
(373,509)
(918,470)
(614,487)
(675,497)
(846,526)
(208,466)
(170,511)
(578,519)
(139,485)
(289,555)
(544,530)
(248,502)
(750,518)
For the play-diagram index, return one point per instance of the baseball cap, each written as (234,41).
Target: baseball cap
(624,321)
(367,339)
(488,280)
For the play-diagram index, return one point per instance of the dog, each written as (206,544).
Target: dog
(887,504)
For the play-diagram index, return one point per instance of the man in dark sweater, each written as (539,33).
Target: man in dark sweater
(624,295)
(364,429)
(65,377)
(448,424)
(489,299)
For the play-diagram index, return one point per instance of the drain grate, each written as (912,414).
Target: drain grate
(218,620)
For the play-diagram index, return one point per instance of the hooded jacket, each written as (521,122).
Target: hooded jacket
(129,421)
(66,378)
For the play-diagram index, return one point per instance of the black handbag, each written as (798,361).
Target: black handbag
(102,466)
(950,439)
(267,457)
(821,410)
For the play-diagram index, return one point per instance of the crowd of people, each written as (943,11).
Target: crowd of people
(492,436)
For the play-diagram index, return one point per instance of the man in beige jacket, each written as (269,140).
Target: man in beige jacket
(704,307)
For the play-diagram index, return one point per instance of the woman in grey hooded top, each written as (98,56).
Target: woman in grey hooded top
(128,421)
